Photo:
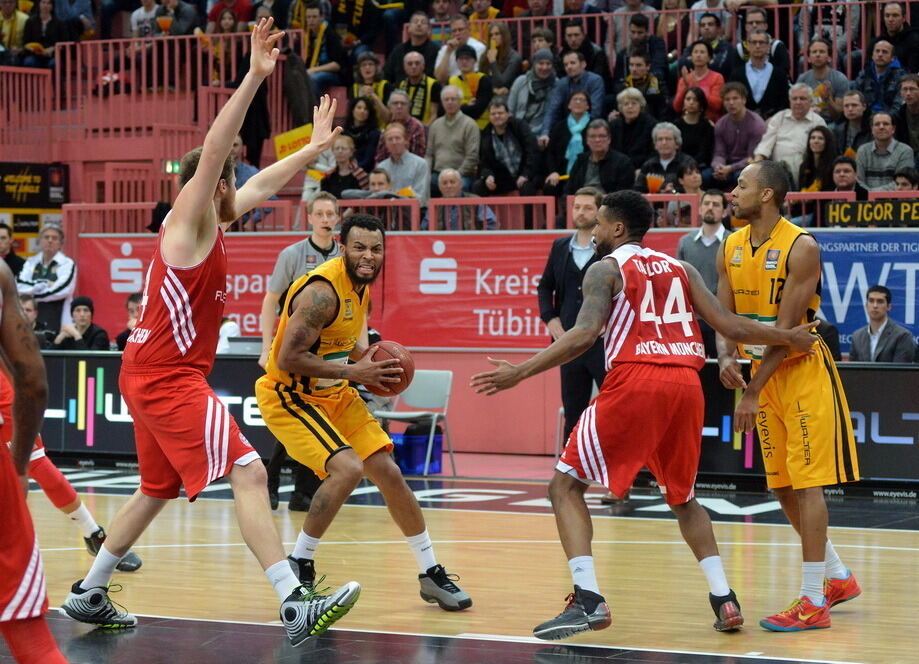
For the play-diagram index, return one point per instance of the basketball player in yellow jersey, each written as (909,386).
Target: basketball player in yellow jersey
(308,405)
(770,271)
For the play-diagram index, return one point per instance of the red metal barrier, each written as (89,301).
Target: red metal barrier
(884,195)
(25,114)
(665,214)
(490,213)
(398,214)
(800,205)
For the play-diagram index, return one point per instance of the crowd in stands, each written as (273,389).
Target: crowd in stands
(616,103)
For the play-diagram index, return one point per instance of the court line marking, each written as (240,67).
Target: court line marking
(472,636)
(205,545)
(911,531)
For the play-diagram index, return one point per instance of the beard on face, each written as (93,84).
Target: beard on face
(709,218)
(356,279)
(603,248)
(226,212)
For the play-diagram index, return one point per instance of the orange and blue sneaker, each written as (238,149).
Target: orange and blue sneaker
(838,591)
(801,615)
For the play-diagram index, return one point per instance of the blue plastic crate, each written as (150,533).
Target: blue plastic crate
(409,452)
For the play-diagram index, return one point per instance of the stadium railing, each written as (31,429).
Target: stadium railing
(849,25)
(801,205)
(25,113)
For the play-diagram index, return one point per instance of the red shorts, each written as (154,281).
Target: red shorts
(184,434)
(644,415)
(22,579)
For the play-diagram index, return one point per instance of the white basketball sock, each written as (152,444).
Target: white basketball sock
(834,567)
(714,574)
(100,574)
(84,520)
(812,582)
(283,579)
(583,574)
(306,546)
(423,550)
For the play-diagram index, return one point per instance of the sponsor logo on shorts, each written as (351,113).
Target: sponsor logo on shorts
(803,416)
(772,259)
(764,436)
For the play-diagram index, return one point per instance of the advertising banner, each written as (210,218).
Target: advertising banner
(478,290)
(444,290)
(853,261)
(31,195)
(87,417)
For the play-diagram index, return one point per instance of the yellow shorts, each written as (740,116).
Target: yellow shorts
(804,426)
(313,428)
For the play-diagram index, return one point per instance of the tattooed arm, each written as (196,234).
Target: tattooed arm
(25,364)
(314,308)
(601,284)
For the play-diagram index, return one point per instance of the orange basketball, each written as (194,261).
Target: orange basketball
(390,350)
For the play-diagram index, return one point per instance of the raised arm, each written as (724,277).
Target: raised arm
(313,309)
(601,283)
(737,327)
(800,286)
(265,184)
(27,369)
(193,218)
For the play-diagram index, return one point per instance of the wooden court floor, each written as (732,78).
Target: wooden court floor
(196,566)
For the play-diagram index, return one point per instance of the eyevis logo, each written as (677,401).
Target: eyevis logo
(437,276)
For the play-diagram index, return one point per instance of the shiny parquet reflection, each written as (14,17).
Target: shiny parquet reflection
(196,566)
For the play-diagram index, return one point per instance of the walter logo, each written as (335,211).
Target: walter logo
(127,274)
(738,256)
(437,276)
(772,259)
(349,309)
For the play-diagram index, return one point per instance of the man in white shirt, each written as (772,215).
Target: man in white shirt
(785,139)
(881,340)
(446,66)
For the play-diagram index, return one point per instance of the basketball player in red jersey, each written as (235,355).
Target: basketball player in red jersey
(55,485)
(23,601)
(643,303)
(184,433)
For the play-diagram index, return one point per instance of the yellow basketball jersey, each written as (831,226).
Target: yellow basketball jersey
(758,276)
(336,341)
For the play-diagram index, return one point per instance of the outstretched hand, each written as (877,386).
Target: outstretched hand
(264,55)
(502,378)
(323,134)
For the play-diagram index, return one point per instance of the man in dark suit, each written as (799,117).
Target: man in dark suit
(882,340)
(560,300)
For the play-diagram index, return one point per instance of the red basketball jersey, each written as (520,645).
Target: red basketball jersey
(652,320)
(180,313)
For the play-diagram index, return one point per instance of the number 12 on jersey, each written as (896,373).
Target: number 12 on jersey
(675,308)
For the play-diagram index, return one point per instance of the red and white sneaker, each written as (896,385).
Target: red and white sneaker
(838,591)
(801,615)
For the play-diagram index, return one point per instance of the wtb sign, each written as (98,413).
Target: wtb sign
(853,261)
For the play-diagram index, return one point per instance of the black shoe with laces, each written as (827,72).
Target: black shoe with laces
(305,570)
(129,563)
(438,586)
(585,611)
(727,612)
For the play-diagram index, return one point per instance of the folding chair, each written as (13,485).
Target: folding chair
(430,393)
